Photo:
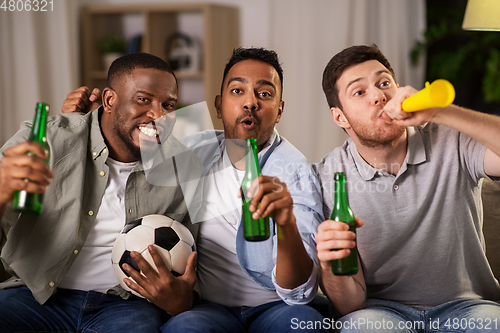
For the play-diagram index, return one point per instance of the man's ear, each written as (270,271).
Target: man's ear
(281,108)
(108,99)
(340,118)
(218,105)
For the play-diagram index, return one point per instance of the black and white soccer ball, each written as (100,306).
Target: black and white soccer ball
(173,241)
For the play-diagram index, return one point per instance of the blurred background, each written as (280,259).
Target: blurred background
(45,55)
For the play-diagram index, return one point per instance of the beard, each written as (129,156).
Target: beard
(128,142)
(261,135)
(372,136)
(125,135)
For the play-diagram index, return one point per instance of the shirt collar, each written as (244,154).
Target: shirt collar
(416,149)
(97,145)
(366,171)
(415,154)
(269,143)
(273,140)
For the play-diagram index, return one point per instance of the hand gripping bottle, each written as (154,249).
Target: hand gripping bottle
(32,203)
(254,230)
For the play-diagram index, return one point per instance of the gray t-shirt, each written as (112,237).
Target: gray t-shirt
(422,243)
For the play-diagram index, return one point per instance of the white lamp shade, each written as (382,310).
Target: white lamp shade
(482,15)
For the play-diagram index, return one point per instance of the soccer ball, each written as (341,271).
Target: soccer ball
(173,241)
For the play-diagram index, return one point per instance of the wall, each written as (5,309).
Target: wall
(34,47)
(39,54)
(38,61)
(254,16)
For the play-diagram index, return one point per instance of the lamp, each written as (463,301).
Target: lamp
(482,15)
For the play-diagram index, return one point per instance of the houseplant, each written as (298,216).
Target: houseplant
(470,60)
(111,47)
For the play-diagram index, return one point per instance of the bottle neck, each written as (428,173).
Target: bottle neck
(39,124)
(340,190)
(252,168)
(341,210)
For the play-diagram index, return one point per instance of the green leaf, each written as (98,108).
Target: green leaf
(112,44)
(491,81)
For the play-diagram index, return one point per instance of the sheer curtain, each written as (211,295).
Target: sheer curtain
(306,34)
(38,62)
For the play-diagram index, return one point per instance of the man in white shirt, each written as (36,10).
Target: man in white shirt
(253,286)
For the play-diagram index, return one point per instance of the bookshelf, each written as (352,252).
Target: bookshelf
(217,31)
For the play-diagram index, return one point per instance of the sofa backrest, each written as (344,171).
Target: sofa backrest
(491,227)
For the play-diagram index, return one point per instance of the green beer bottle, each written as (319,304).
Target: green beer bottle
(32,203)
(254,230)
(342,212)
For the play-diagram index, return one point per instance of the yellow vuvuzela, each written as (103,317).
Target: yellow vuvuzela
(439,93)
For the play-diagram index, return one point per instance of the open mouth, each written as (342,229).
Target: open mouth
(150,132)
(248,122)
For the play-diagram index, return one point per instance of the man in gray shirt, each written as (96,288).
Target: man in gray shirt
(414,181)
(99,179)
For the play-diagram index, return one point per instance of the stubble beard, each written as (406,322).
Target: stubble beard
(262,136)
(377,138)
(126,137)
(231,132)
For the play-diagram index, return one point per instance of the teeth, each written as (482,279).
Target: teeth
(149,131)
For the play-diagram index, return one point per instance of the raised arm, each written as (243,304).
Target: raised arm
(293,264)
(482,127)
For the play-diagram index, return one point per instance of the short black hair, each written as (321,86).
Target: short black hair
(127,63)
(343,60)
(260,54)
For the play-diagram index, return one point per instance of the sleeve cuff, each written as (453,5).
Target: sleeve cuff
(302,294)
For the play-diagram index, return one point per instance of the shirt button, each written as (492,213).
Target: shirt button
(75,252)
(94,153)
(105,151)
(102,173)
(90,213)
(51,284)
(396,187)
(130,210)
(216,157)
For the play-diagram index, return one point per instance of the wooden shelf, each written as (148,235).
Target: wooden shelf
(99,75)
(220,36)
(189,75)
